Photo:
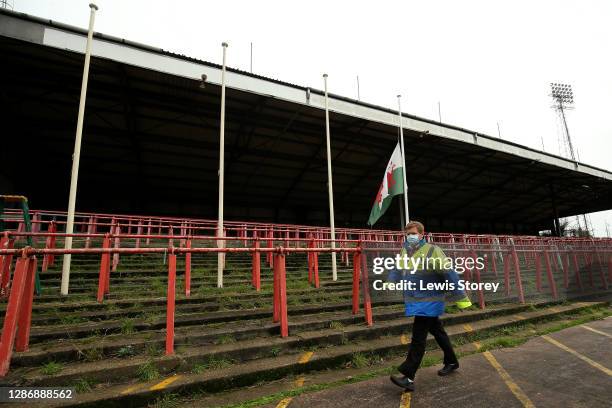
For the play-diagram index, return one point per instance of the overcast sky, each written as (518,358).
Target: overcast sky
(484,61)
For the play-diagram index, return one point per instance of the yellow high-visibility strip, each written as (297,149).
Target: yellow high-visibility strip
(284,402)
(519,317)
(404,339)
(516,390)
(577,354)
(299,382)
(131,389)
(477,345)
(584,326)
(163,384)
(304,358)
(468,327)
(405,401)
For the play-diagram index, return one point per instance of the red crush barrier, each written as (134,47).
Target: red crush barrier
(365,285)
(476,270)
(356,272)
(49,259)
(270,245)
(549,274)
(25,314)
(507,274)
(280,279)
(588,260)
(577,272)
(104,275)
(275,291)
(89,231)
(138,232)
(517,276)
(256,278)
(310,259)
(16,330)
(538,272)
(5,264)
(604,282)
(171,296)
(116,254)
(148,232)
(566,271)
(188,270)
(313,264)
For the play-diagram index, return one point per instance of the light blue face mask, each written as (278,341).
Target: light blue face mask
(412,239)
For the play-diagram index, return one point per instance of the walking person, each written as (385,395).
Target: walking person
(425,263)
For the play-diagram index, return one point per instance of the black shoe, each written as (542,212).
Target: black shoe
(447,369)
(402,381)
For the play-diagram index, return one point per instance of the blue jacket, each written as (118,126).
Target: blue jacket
(423,302)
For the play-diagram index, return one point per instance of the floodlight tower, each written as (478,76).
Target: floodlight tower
(563,99)
(7,4)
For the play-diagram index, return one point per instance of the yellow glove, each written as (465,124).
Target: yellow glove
(464,303)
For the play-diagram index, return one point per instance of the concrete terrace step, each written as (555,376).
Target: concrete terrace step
(257,367)
(246,350)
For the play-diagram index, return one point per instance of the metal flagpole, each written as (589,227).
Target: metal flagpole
(77,155)
(221,243)
(401,129)
(329,184)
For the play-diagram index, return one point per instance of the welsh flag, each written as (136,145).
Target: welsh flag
(392,185)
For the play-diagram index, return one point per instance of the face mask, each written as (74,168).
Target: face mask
(412,239)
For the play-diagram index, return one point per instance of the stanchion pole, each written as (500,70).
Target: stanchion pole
(77,155)
(330,189)
(221,243)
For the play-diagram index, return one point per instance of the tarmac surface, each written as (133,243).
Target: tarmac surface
(568,368)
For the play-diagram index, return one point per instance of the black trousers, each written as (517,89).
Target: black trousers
(422,326)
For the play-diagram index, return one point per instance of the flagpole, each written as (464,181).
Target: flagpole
(76,157)
(401,129)
(221,243)
(329,185)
